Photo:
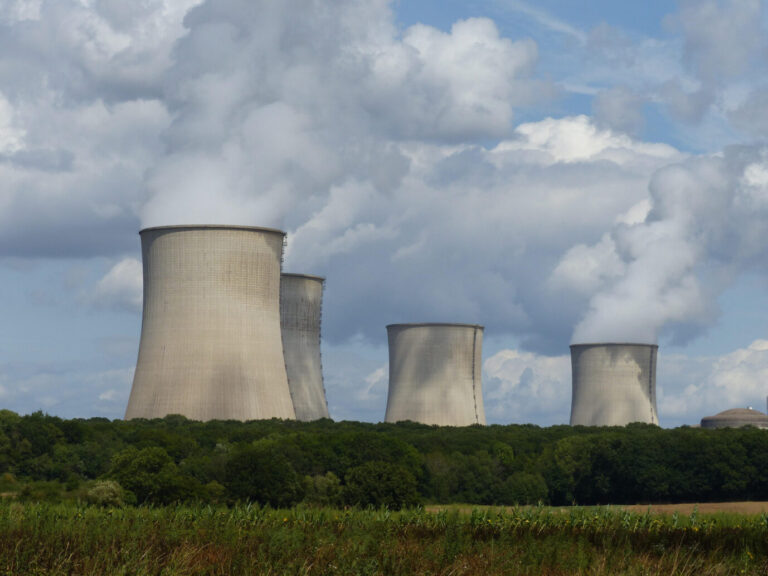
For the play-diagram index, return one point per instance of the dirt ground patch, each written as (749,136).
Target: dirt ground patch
(703,508)
(683,509)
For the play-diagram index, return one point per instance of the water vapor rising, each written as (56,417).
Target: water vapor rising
(276,104)
(708,222)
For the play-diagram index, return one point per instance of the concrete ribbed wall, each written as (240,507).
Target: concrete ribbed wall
(613,384)
(301,303)
(210,337)
(435,374)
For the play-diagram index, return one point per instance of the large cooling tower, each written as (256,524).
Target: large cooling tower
(435,374)
(210,337)
(301,302)
(613,384)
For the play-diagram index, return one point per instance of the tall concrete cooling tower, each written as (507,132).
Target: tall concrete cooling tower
(301,302)
(435,374)
(613,384)
(210,336)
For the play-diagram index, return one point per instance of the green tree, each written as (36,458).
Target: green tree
(263,474)
(152,476)
(380,484)
(524,488)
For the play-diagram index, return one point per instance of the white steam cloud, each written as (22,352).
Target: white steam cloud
(707,224)
(278,104)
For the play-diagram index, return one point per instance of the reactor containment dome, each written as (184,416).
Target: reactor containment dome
(210,344)
(435,374)
(613,384)
(736,418)
(301,303)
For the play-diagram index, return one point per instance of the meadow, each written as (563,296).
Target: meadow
(45,538)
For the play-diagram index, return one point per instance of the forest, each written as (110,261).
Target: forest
(325,463)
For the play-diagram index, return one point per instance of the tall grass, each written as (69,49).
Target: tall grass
(66,539)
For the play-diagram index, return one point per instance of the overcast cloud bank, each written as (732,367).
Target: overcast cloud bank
(397,161)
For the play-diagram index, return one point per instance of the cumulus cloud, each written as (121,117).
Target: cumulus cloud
(471,234)
(393,159)
(121,287)
(277,106)
(702,386)
(522,387)
(724,41)
(81,115)
(722,38)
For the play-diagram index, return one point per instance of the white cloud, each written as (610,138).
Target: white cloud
(695,387)
(122,286)
(722,38)
(11,137)
(375,380)
(522,387)
(80,121)
(577,139)
(392,158)
(68,393)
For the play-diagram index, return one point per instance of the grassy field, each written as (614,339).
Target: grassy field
(60,539)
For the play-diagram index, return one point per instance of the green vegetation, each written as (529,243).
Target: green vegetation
(324,463)
(74,539)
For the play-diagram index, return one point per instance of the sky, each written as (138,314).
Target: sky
(556,171)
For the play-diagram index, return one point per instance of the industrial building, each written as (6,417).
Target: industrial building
(736,418)
(210,343)
(613,384)
(435,374)
(301,302)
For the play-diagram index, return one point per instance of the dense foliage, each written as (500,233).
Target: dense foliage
(41,538)
(326,463)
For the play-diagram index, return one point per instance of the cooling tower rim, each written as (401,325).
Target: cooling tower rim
(611,344)
(435,324)
(307,276)
(212,227)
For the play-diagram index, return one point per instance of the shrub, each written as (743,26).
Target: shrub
(105,493)
(322,490)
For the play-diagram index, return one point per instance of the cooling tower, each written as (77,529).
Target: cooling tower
(301,302)
(435,374)
(613,384)
(210,336)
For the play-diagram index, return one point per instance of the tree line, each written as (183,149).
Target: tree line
(282,463)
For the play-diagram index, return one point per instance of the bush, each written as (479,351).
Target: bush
(105,493)
(322,490)
(41,492)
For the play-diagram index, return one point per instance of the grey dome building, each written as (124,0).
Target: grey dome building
(435,374)
(736,418)
(613,384)
(210,337)
(301,304)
